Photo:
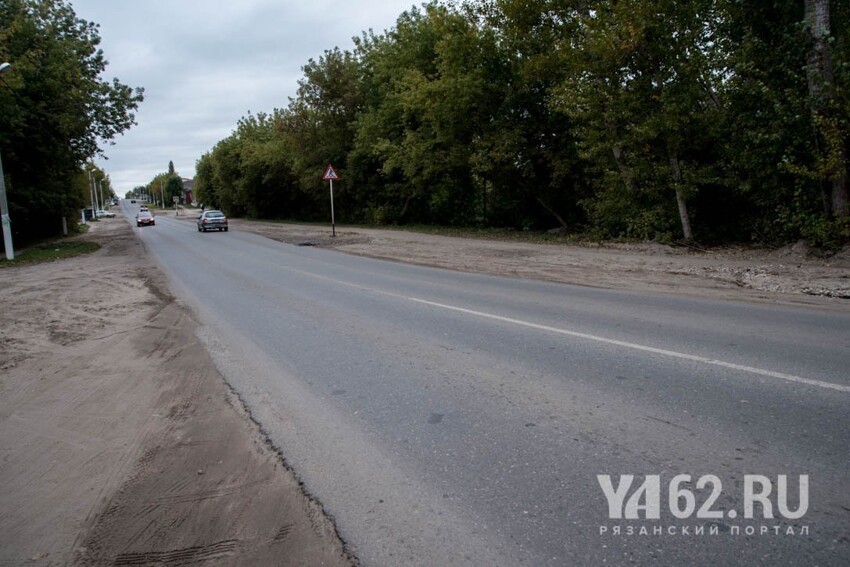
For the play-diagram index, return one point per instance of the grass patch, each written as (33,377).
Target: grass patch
(49,252)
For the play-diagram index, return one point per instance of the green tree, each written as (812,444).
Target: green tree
(527,152)
(205,189)
(135,192)
(787,128)
(317,128)
(173,188)
(55,110)
(428,96)
(165,186)
(386,130)
(829,116)
(659,119)
(643,93)
(452,110)
(155,188)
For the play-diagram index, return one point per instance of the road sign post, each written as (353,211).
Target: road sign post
(333,223)
(330,175)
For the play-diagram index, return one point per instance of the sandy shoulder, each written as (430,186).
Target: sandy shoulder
(119,441)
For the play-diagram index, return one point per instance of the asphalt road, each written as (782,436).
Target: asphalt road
(447,418)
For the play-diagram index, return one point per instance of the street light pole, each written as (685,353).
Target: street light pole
(4,211)
(91,195)
(4,206)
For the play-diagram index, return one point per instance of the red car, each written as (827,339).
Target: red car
(144,218)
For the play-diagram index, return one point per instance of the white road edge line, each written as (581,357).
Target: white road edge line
(633,346)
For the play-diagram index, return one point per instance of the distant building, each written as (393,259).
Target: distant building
(188,186)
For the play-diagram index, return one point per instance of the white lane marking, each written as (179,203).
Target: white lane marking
(633,346)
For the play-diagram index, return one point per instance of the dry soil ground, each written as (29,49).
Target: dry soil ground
(121,444)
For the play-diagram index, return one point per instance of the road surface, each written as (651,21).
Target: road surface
(447,418)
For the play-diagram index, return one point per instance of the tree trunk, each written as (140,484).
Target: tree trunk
(840,189)
(819,71)
(821,90)
(404,208)
(683,215)
(625,172)
(484,201)
(553,213)
(712,96)
(676,173)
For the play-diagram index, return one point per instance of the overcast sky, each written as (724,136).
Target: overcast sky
(206,63)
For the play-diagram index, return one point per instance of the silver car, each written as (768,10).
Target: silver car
(212,220)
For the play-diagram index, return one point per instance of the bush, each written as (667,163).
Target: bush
(827,235)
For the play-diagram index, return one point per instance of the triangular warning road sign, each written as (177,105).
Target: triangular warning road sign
(330,174)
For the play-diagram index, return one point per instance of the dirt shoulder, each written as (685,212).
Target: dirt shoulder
(790,275)
(120,443)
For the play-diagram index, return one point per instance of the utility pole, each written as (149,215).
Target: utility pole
(4,212)
(91,194)
(4,206)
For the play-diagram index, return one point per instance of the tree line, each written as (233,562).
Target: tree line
(55,111)
(162,188)
(714,120)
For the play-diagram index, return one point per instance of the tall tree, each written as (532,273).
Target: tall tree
(786,130)
(55,110)
(173,188)
(387,128)
(444,99)
(527,154)
(643,93)
(821,83)
(318,127)
(205,189)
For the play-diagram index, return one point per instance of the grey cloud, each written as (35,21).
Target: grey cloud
(204,64)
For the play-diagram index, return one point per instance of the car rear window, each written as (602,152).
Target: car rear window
(215,214)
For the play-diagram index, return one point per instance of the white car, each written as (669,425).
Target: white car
(100,213)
